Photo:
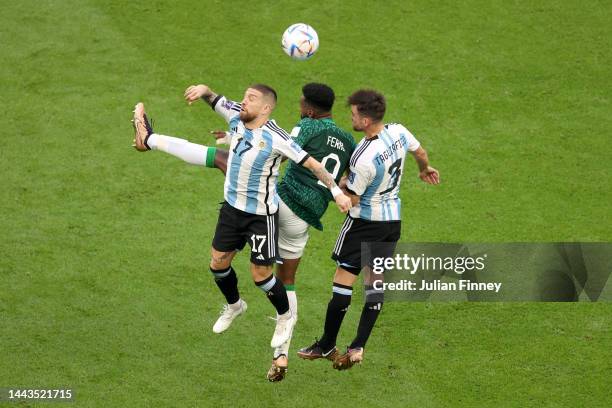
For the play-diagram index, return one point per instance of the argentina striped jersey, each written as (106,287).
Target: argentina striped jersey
(254,159)
(376,168)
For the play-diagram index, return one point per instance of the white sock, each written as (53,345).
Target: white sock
(293,306)
(183,149)
(284,348)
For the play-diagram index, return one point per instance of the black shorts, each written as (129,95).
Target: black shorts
(354,232)
(235,228)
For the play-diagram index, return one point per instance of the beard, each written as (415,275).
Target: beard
(246,117)
(357,128)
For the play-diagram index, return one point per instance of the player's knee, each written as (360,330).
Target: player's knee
(260,272)
(219,262)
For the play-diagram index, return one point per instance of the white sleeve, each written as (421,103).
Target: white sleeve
(284,144)
(295,132)
(359,178)
(412,142)
(228,109)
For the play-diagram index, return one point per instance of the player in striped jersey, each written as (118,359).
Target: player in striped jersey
(250,211)
(303,199)
(376,168)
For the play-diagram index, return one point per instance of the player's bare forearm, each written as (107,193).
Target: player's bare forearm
(221,160)
(426,173)
(319,172)
(209,98)
(343,202)
(420,155)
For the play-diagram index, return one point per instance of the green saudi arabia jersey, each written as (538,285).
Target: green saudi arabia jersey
(300,189)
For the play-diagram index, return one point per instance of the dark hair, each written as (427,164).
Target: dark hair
(369,103)
(319,96)
(265,89)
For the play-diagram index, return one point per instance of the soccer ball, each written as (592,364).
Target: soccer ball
(300,41)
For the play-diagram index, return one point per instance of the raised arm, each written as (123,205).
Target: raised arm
(226,108)
(195,92)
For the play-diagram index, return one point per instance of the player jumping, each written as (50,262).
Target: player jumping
(303,198)
(376,169)
(250,211)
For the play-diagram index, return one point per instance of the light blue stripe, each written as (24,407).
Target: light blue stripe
(342,291)
(221,274)
(366,209)
(387,204)
(345,264)
(259,173)
(275,200)
(398,206)
(234,173)
(384,135)
(268,285)
(384,210)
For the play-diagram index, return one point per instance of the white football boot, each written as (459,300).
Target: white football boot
(228,314)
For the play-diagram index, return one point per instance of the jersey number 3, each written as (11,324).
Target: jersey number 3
(395,171)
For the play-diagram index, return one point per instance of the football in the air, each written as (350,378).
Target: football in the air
(300,41)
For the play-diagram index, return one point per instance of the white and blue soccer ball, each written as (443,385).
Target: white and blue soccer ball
(300,41)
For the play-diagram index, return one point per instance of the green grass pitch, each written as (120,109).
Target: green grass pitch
(104,251)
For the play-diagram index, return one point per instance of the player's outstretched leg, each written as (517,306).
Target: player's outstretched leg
(142,128)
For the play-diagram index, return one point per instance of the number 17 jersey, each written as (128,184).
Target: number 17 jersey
(254,159)
(375,173)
